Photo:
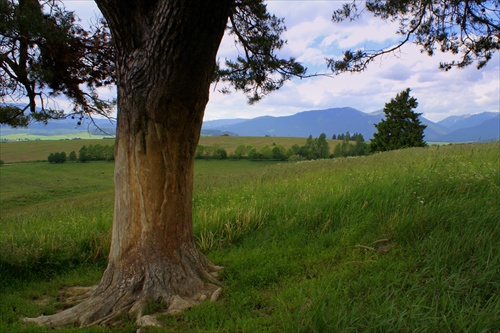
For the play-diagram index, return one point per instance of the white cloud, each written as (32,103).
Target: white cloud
(312,37)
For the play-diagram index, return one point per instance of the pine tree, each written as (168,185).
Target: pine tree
(401,127)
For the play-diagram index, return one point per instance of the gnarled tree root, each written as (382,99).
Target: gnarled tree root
(166,290)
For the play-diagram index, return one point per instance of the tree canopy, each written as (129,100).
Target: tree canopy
(45,53)
(468,29)
(258,71)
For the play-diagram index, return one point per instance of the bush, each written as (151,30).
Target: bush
(279,153)
(253,154)
(72,156)
(220,154)
(57,158)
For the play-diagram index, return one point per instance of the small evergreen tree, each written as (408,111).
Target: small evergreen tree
(401,127)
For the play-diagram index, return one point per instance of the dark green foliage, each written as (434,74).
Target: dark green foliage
(96,152)
(83,154)
(278,153)
(469,29)
(57,158)
(322,146)
(401,127)
(200,150)
(42,49)
(211,152)
(309,150)
(346,148)
(266,152)
(347,136)
(220,154)
(258,71)
(315,148)
(253,154)
(241,152)
(72,157)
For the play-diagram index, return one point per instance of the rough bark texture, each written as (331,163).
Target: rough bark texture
(165,63)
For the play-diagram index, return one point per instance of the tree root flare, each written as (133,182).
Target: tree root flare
(104,304)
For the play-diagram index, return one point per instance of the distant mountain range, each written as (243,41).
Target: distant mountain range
(64,126)
(478,127)
(483,126)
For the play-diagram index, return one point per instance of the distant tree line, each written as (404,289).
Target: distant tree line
(346,148)
(96,152)
(314,148)
(88,153)
(347,136)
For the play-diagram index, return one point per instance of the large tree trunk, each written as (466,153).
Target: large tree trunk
(165,63)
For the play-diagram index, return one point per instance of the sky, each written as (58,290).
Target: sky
(312,36)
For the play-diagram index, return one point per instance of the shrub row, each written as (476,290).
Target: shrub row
(314,148)
(96,152)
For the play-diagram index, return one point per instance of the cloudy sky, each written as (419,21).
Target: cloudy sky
(312,36)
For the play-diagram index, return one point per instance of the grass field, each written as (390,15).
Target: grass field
(26,151)
(405,241)
(39,150)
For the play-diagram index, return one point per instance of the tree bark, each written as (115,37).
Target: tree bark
(165,63)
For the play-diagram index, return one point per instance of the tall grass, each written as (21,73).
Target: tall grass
(400,241)
(404,241)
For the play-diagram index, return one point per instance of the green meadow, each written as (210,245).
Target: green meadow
(403,241)
(27,151)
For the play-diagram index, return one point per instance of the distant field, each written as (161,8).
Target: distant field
(230,143)
(39,150)
(32,137)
